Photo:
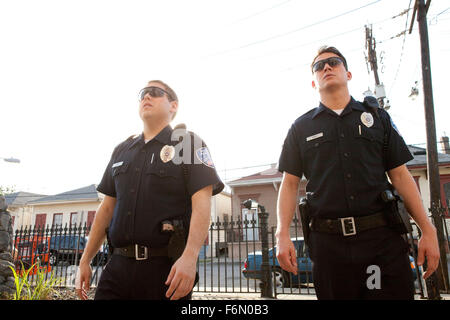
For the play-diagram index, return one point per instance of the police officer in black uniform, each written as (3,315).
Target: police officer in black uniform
(344,149)
(154,191)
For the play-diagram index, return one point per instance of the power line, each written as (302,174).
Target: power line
(322,39)
(263,11)
(295,30)
(441,12)
(403,47)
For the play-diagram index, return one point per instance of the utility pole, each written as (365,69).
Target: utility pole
(440,277)
(372,60)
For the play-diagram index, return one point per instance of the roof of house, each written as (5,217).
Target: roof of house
(420,157)
(273,175)
(88,193)
(267,176)
(21,198)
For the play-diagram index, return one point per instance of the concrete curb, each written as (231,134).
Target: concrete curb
(257,296)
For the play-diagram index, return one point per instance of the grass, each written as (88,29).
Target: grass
(41,288)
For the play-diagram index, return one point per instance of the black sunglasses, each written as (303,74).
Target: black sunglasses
(332,62)
(155,92)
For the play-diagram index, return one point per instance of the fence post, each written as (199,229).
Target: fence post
(266,284)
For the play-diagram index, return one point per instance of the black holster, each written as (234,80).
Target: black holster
(110,247)
(305,218)
(178,237)
(395,212)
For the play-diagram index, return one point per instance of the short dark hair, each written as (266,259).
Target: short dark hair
(329,49)
(172,96)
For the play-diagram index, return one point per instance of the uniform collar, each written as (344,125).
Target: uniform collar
(353,104)
(164,136)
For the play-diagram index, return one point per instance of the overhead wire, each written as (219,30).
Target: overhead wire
(403,48)
(261,12)
(295,30)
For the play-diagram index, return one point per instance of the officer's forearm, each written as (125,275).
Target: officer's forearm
(200,219)
(97,233)
(287,200)
(406,186)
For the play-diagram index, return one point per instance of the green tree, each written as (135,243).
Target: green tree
(5,190)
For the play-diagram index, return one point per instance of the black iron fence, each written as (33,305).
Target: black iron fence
(238,256)
(55,250)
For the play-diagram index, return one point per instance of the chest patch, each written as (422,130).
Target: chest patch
(314,136)
(367,119)
(167,153)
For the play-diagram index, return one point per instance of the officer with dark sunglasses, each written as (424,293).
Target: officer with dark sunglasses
(344,149)
(156,210)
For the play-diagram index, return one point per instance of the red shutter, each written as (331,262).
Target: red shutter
(416,179)
(90,220)
(445,192)
(40,220)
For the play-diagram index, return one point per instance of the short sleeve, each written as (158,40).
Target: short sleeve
(290,159)
(106,185)
(202,171)
(397,151)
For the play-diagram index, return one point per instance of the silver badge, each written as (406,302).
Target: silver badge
(367,119)
(167,153)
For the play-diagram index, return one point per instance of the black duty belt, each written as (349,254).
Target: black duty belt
(141,252)
(350,225)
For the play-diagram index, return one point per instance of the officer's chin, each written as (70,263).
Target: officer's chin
(146,115)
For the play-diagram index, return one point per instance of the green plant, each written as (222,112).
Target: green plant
(42,289)
(5,190)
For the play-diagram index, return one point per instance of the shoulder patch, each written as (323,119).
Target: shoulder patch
(395,127)
(204,156)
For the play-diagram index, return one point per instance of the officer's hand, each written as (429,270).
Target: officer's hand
(181,277)
(286,254)
(429,248)
(83,279)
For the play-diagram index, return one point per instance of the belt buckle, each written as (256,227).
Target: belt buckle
(136,252)
(344,224)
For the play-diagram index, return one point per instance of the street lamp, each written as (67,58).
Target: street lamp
(13,160)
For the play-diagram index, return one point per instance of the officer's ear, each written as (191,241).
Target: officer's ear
(349,76)
(173,107)
(313,84)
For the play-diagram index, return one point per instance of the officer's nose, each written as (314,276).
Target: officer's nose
(147,96)
(327,66)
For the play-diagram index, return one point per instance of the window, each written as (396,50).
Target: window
(57,219)
(74,219)
(250,224)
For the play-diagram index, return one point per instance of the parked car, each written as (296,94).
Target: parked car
(252,266)
(70,248)
(66,248)
(101,257)
(282,278)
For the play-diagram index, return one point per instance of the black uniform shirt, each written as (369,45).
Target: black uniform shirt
(149,190)
(343,159)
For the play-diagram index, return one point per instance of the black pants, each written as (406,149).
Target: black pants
(127,279)
(343,266)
